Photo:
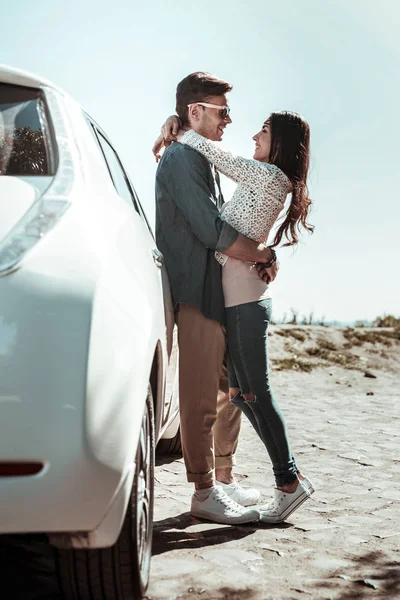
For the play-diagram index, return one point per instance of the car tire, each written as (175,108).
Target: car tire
(122,571)
(171,446)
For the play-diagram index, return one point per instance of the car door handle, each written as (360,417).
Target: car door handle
(157,257)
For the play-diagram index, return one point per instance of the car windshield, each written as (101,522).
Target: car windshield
(23,142)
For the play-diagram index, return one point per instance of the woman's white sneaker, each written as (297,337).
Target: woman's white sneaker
(243,496)
(220,508)
(284,503)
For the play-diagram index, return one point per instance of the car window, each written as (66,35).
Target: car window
(140,210)
(120,179)
(24,136)
(117,172)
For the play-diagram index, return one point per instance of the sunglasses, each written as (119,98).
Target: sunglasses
(224,111)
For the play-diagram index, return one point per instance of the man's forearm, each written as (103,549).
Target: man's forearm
(245,249)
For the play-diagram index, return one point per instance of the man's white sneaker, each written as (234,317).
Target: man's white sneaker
(243,496)
(284,504)
(220,508)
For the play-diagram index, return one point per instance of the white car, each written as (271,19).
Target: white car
(88,379)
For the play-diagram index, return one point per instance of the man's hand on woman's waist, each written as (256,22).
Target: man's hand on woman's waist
(248,250)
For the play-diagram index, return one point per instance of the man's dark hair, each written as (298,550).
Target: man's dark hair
(197,87)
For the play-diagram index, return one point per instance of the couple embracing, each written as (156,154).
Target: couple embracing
(220,268)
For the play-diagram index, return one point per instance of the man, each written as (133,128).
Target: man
(189,230)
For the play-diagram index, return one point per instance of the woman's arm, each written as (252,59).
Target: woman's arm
(167,135)
(248,172)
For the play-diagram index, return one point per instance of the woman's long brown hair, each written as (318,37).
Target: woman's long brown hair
(290,151)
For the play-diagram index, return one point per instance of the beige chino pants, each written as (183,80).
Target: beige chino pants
(210,423)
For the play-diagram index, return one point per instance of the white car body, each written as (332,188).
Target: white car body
(86,323)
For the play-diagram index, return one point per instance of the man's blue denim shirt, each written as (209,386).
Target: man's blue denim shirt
(189,229)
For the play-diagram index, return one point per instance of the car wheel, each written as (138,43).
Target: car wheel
(122,571)
(171,446)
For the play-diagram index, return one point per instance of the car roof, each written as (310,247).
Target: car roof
(16,76)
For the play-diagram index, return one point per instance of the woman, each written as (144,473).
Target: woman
(279,167)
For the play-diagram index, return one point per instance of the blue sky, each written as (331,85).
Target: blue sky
(337,62)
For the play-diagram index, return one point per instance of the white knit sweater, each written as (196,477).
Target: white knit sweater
(254,208)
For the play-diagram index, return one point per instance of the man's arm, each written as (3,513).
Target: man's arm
(245,249)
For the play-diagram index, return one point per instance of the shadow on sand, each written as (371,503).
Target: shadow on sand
(170,534)
(372,573)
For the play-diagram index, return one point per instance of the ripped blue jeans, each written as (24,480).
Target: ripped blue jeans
(247,334)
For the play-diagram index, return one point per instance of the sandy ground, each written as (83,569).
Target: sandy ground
(343,543)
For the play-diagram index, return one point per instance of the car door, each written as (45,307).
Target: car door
(171,382)
(127,192)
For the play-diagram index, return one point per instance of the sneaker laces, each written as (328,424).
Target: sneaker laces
(225,500)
